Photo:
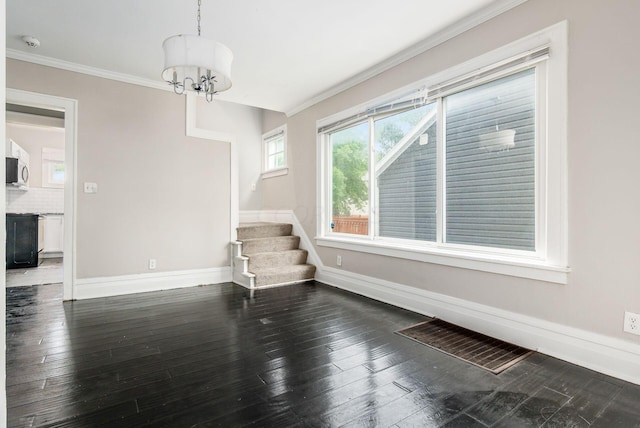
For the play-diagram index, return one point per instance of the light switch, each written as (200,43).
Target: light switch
(90,187)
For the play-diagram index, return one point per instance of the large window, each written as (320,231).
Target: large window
(461,170)
(488,149)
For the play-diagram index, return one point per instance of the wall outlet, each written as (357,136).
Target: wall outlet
(90,187)
(339,260)
(152,263)
(632,323)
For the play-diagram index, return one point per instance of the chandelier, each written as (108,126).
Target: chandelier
(193,63)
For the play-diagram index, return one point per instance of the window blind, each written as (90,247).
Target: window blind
(274,136)
(484,74)
(51,154)
(410,100)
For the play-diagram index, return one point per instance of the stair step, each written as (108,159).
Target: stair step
(277,258)
(271,244)
(262,230)
(267,254)
(284,274)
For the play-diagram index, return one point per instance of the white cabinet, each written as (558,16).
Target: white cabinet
(53,233)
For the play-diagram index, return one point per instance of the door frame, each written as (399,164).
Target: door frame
(70,108)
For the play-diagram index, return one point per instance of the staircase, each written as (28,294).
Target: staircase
(268,255)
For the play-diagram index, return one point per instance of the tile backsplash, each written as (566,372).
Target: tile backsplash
(35,200)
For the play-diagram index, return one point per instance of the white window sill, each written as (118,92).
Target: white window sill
(275,173)
(500,264)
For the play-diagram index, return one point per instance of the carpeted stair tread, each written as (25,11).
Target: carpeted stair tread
(270,244)
(263,230)
(284,274)
(267,254)
(277,258)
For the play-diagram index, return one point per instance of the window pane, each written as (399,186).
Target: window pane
(405,146)
(272,162)
(279,160)
(272,147)
(490,164)
(58,172)
(350,187)
(275,153)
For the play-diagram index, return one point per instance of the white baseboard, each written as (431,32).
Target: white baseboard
(56,255)
(611,356)
(604,354)
(89,288)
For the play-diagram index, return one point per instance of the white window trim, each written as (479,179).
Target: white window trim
(275,172)
(550,263)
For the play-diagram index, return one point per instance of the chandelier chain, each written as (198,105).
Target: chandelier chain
(199,4)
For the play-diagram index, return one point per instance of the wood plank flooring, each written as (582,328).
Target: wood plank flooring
(303,356)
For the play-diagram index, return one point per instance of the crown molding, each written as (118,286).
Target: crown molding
(492,10)
(465,24)
(84,69)
(92,71)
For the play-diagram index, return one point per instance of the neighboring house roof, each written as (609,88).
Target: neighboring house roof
(406,142)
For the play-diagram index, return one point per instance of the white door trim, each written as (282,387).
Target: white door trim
(70,107)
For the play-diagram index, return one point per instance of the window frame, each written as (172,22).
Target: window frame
(549,261)
(267,138)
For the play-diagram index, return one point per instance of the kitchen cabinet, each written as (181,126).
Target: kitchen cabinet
(22,241)
(53,233)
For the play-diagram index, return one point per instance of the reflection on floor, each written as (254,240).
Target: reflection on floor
(48,272)
(299,356)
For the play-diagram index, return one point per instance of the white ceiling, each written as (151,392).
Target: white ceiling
(288,53)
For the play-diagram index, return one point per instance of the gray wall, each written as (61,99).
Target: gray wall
(603,149)
(245,124)
(160,194)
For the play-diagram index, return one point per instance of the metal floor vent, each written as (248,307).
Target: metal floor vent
(475,348)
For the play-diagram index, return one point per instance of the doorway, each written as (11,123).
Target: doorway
(44,127)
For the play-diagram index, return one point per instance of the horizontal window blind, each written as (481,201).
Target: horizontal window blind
(274,136)
(412,99)
(52,154)
(477,77)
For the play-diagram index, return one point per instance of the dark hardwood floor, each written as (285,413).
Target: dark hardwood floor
(305,355)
